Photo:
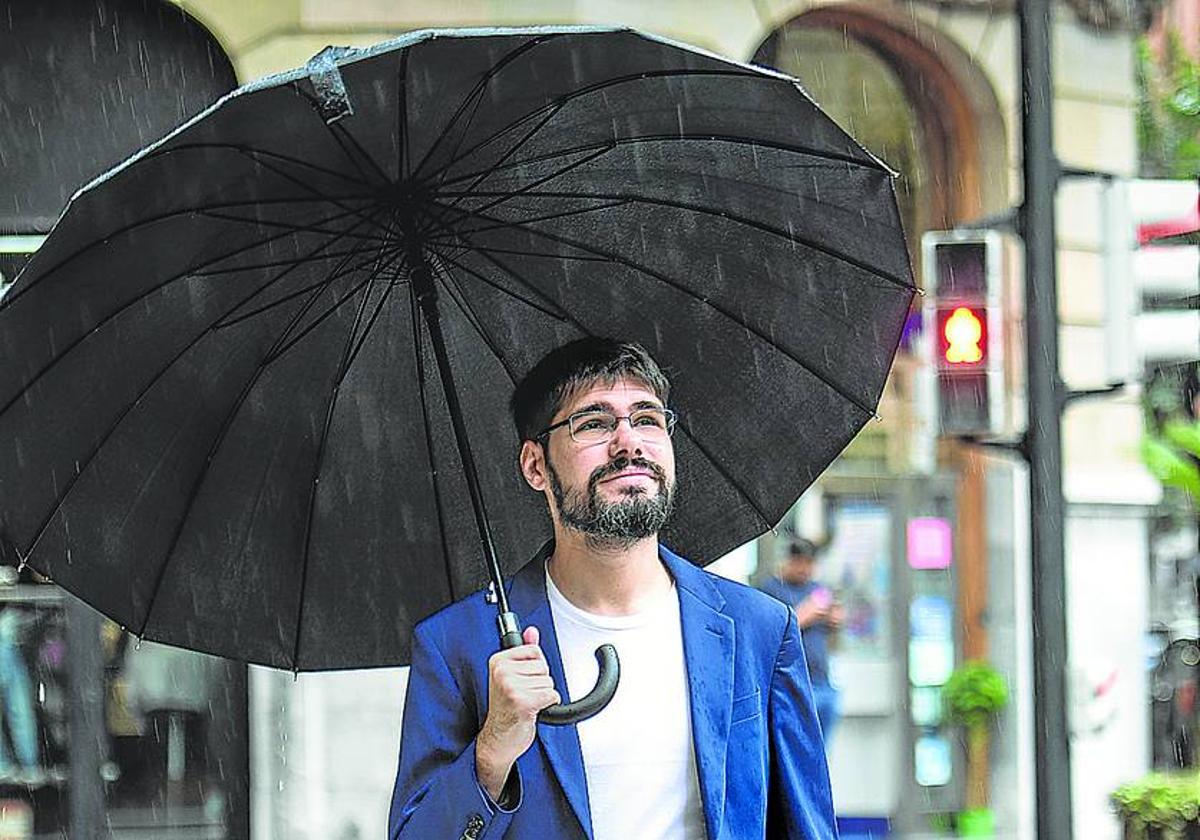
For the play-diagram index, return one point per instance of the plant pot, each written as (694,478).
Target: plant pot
(976,822)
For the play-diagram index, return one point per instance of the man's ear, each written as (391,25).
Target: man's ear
(533,465)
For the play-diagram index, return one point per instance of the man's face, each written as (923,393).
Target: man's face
(614,492)
(799,568)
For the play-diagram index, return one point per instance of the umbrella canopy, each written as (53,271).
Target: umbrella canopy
(221,421)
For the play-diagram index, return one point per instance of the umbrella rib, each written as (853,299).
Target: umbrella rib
(525,190)
(288,226)
(649,272)
(728,476)
(566,98)
(402,116)
(362,340)
(516,253)
(477,91)
(253,153)
(12,296)
(340,133)
(333,128)
(85,463)
(457,296)
(838,157)
(549,217)
(433,470)
(218,272)
(378,309)
(226,425)
(302,291)
(318,465)
(483,175)
(564,317)
(559,316)
(324,316)
(288,177)
(146,293)
(476,99)
(738,219)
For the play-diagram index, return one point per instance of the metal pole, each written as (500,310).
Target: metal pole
(85,700)
(1044,438)
(229,747)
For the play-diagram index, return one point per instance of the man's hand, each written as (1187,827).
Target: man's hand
(519,686)
(812,610)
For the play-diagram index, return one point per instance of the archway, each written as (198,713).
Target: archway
(949,146)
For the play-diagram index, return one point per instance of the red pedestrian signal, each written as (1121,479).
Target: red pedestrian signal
(962,336)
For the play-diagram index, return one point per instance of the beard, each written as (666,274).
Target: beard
(618,524)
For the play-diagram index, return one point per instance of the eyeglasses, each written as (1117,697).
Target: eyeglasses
(590,427)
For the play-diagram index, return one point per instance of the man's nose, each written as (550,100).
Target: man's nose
(624,438)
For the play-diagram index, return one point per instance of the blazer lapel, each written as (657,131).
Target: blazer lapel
(527,598)
(708,648)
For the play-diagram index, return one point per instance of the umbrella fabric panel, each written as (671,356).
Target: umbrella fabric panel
(120,460)
(394,539)
(182,234)
(277,451)
(460,93)
(376,513)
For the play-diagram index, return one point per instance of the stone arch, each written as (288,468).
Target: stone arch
(85,85)
(963,134)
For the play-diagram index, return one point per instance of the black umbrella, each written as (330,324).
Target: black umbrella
(221,419)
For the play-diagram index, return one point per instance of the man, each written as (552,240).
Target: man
(818,615)
(711,732)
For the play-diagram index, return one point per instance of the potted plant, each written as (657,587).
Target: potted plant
(972,698)
(1159,806)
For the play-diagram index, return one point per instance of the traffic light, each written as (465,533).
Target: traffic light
(963,325)
(1152,274)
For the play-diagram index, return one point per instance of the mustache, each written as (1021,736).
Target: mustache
(623,463)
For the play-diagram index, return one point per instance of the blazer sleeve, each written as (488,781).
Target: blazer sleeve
(437,792)
(800,804)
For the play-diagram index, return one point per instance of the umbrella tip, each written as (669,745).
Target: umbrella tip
(920,291)
(295,674)
(878,417)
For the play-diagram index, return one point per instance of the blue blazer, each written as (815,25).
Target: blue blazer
(759,752)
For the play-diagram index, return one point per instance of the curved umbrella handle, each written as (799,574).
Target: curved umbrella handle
(596,699)
(561,714)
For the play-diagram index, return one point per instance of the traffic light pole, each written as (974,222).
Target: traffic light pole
(1044,436)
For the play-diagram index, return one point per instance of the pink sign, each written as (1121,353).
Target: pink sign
(930,543)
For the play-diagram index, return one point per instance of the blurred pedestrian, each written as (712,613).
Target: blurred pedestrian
(819,615)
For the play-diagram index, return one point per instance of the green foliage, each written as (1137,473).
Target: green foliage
(974,694)
(1172,456)
(1168,118)
(1158,800)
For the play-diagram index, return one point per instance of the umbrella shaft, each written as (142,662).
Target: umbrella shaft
(422,284)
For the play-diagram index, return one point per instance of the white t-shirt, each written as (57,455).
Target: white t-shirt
(637,753)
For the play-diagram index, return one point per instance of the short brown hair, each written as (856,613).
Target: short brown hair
(585,361)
